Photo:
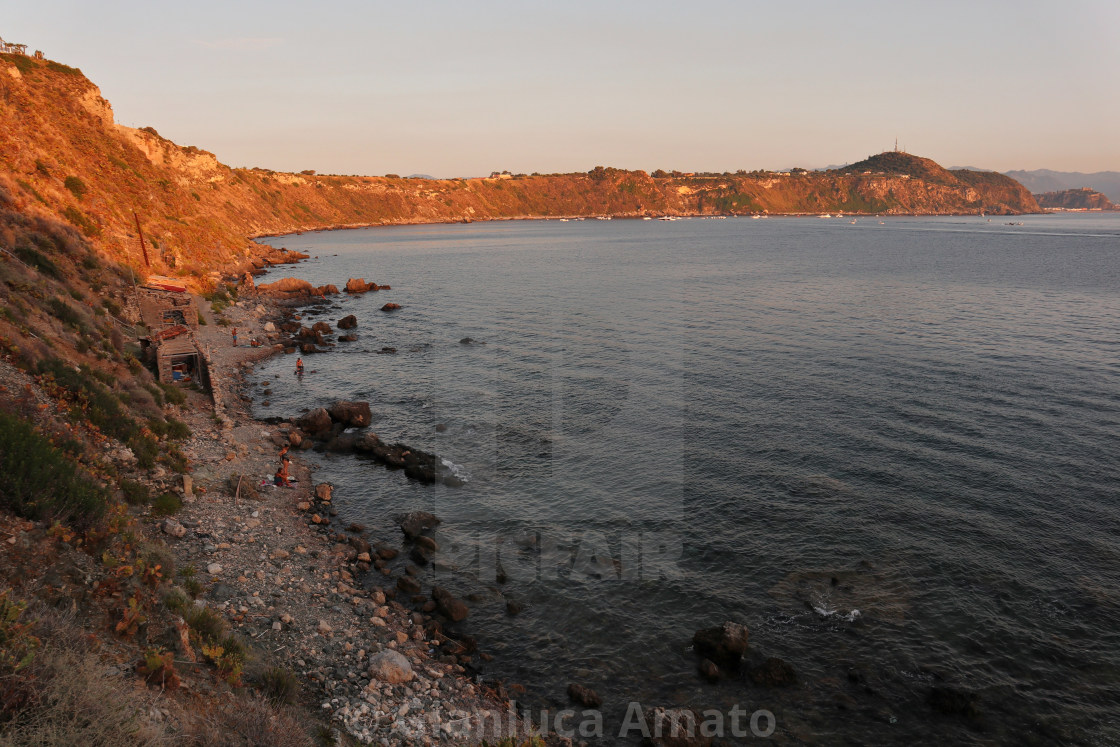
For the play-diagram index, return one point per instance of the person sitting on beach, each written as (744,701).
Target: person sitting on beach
(281,478)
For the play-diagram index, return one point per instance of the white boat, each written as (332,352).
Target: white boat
(824,215)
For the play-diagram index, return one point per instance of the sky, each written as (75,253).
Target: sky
(466,88)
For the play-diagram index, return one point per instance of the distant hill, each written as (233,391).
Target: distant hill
(1045,180)
(1075,199)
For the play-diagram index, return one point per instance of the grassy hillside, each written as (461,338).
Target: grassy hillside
(64,156)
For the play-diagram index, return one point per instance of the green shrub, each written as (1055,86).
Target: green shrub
(38,260)
(38,481)
(177,430)
(194,587)
(166,504)
(177,600)
(279,685)
(76,186)
(145,449)
(135,493)
(175,459)
(210,625)
(79,219)
(173,394)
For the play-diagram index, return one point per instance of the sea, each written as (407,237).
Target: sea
(887,446)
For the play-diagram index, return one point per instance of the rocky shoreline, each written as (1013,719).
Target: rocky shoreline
(287,579)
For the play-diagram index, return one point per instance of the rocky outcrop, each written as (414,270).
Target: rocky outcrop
(316,422)
(288,288)
(390,307)
(348,322)
(351,414)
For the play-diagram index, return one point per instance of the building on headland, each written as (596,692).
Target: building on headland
(12,48)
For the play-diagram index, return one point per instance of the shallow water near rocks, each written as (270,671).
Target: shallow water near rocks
(888,449)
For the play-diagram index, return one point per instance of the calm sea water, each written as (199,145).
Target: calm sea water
(887,448)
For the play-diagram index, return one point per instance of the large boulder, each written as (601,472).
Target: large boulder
(351,414)
(322,328)
(348,322)
(724,644)
(390,666)
(327,290)
(316,423)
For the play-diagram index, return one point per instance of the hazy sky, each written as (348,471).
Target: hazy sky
(466,88)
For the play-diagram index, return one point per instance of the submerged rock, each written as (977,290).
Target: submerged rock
(390,307)
(585,696)
(773,672)
(724,644)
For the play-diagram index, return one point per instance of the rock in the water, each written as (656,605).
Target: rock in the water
(322,328)
(351,414)
(323,491)
(585,696)
(709,670)
(773,672)
(316,423)
(348,322)
(408,585)
(359,285)
(675,727)
(951,701)
(390,666)
(451,607)
(351,337)
(723,644)
(390,307)
(416,522)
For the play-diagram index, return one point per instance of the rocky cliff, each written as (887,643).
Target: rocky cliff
(64,156)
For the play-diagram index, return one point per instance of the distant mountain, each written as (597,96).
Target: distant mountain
(1045,180)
